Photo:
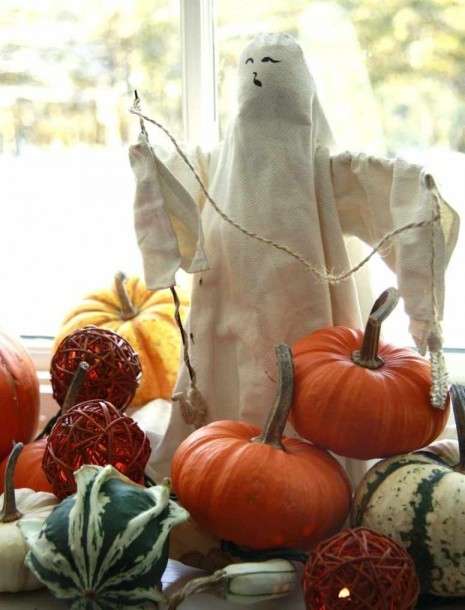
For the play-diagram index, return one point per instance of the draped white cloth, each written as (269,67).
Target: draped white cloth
(274,174)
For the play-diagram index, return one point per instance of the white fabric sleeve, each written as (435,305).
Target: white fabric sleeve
(375,196)
(167,220)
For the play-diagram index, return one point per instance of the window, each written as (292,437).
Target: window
(67,74)
(389,74)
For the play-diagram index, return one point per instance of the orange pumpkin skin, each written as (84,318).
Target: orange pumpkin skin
(257,495)
(152,332)
(19,394)
(358,412)
(28,471)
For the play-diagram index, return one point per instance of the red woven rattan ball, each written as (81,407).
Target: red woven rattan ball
(114,371)
(93,432)
(359,569)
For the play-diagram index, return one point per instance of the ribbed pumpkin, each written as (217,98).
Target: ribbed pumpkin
(107,545)
(361,398)
(19,394)
(419,500)
(260,490)
(146,320)
(28,471)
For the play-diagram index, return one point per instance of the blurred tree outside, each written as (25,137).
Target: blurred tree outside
(412,51)
(68,70)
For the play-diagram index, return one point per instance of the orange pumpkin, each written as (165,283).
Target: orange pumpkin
(361,398)
(146,320)
(28,471)
(19,394)
(261,490)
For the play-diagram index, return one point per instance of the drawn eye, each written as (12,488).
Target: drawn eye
(250,59)
(274,61)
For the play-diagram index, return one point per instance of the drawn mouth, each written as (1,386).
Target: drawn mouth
(256,81)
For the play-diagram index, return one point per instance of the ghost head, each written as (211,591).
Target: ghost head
(275,84)
(274,77)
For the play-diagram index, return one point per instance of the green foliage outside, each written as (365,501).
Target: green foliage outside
(66,76)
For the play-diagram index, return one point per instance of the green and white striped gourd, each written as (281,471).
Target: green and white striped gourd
(419,500)
(107,545)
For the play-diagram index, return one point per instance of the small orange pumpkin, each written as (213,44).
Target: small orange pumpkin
(28,471)
(361,398)
(261,490)
(19,394)
(146,320)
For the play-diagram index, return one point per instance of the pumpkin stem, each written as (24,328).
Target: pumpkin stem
(367,356)
(458,404)
(277,418)
(10,512)
(75,386)
(197,585)
(128,311)
(70,398)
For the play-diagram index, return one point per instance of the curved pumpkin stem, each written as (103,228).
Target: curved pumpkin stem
(458,404)
(10,512)
(367,356)
(277,418)
(128,311)
(197,585)
(75,386)
(70,398)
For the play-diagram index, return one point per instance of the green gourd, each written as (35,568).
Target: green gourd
(419,500)
(107,545)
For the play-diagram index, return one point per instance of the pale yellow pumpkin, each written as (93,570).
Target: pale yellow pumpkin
(146,320)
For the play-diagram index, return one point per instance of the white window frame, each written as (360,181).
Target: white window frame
(199,72)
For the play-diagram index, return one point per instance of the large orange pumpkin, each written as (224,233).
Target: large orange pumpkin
(261,490)
(361,398)
(28,471)
(146,320)
(19,394)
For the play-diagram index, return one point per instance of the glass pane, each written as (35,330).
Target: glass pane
(390,78)
(67,73)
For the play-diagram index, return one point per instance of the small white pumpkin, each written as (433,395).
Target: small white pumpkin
(19,504)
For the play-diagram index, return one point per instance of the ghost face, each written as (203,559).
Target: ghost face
(274,79)
(267,59)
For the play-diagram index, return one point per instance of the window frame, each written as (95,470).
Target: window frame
(199,72)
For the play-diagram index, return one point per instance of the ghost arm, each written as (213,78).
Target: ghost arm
(167,220)
(376,196)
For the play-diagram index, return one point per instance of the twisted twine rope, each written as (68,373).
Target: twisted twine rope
(438,367)
(332,278)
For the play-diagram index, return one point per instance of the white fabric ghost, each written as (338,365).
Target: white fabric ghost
(274,175)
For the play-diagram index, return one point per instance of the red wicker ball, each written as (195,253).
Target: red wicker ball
(93,432)
(359,569)
(114,371)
